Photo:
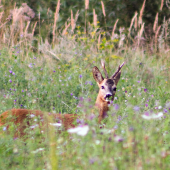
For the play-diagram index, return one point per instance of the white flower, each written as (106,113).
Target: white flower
(160,107)
(38,150)
(32,115)
(97,142)
(153,116)
(82,131)
(4,128)
(56,124)
(118,139)
(33,126)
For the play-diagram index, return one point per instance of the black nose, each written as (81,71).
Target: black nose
(108,95)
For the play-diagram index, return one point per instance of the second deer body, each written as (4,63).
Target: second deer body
(107,90)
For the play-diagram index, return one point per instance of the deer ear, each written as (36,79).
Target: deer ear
(97,75)
(117,77)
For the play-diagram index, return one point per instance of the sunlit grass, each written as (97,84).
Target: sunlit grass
(57,78)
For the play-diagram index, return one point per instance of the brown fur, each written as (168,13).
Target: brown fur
(22,117)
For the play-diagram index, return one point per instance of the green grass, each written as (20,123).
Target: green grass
(29,80)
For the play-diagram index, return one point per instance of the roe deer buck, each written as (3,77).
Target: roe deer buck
(107,89)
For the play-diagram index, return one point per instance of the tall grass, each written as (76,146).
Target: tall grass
(57,78)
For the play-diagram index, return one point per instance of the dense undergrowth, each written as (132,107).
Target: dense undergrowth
(58,78)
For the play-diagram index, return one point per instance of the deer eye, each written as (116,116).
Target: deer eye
(102,87)
(114,89)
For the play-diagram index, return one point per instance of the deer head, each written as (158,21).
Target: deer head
(107,86)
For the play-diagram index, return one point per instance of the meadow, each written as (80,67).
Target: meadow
(57,77)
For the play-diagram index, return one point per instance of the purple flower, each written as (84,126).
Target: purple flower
(118,138)
(13,73)
(10,71)
(22,90)
(54,71)
(10,81)
(21,105)
(91,161)
(145,90)
(136,108)
(165,110)
(116,106)
(71,94)
(131,128)
(146,105)
(80,76)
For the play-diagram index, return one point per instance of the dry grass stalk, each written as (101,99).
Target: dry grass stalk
(162,3)
(103,10)
(76,16)
(65,29)
(136,23)
(114,28)
(56,18)
(140,33)
(141,13)
(28,23)
(34,28)
(99,39)
(72,22)
(155,23)
(132,21)
(167,3)
(94,18)
(86,4)
(1,14)
(157,32)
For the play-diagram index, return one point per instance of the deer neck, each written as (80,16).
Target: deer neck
(102,105)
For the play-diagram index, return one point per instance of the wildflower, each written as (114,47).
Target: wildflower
(4,128)
(80,76)
(54,71)
(136,108)
(145,90)
(79,121)
(146,105)
(38,150)
(116,107)
(32,115)
(33,126)
(152,116)
(115,127)
(10,81)
(160,107)
(118,138)
(22,90)
(80,130)
(13,73)
(165,110)
(10,71)
(21,105)
(30,65)
(56,124)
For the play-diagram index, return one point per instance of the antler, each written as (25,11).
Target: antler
(119,68)
(103,66)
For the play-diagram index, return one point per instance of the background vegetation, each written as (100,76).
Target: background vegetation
(47,52)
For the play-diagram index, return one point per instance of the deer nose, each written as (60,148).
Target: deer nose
(108,95)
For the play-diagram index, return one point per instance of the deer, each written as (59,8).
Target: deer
(22,117)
